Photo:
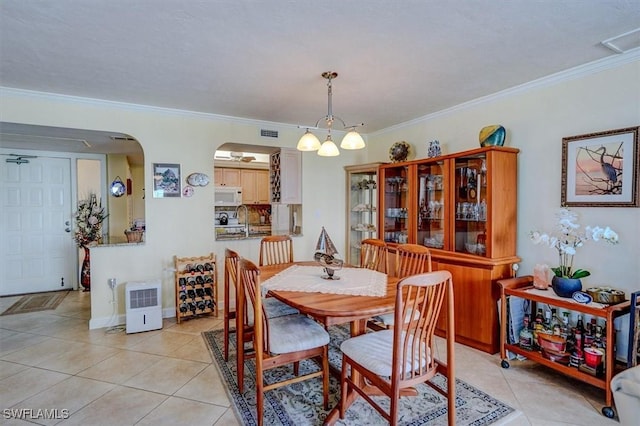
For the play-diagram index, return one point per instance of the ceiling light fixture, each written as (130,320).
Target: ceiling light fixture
(352,140)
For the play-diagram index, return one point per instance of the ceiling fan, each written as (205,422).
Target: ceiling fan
(239,156)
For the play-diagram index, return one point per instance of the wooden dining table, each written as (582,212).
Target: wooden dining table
(332,309)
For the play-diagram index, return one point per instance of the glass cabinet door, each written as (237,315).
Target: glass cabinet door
(471,204)
(362,214)
(396,213)
(431,205)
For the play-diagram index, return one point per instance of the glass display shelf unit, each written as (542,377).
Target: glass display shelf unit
(362,207)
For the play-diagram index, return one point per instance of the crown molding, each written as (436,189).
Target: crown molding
(581,71)
(78,100)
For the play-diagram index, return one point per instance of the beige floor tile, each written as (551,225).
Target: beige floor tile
(10,368)
(71,394)
(228,419)
(77,357)
(195,326)
(38,353)
(12,341)
(178,411)
(206,387)
(163,343)
(121,367)
(120,406)
(195,350)
(118,338)
(556,404)
(29,382)
(166,376)
(28,322)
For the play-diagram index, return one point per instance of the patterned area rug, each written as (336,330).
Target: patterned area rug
(300,404)
(37,302)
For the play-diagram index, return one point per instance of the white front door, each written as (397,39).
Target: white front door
(37,251)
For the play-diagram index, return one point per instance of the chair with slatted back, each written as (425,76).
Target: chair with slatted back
(373,255)
(404,356)
(230,275)
(283,340)
(275,250)
(272,306)
(410,259)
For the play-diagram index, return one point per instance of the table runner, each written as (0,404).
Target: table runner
(353,281)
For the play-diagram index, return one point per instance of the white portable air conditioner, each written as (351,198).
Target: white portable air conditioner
(144,306)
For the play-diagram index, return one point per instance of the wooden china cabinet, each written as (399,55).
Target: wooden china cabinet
(462,206)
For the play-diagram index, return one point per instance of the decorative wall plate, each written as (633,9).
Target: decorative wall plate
(117,187)
(399,151)
(187,191)
(198,179)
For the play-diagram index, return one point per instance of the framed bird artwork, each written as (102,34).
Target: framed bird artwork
(601,169)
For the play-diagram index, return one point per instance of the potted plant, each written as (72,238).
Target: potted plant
(566,240)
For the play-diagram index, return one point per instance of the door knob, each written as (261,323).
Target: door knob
(67,229)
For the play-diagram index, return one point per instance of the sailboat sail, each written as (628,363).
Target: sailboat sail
(325,245)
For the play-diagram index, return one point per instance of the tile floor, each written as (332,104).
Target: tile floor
(51,360)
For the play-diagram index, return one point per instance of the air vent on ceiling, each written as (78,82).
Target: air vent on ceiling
(624,42)
(269,133)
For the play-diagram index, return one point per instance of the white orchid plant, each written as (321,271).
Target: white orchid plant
(568,238)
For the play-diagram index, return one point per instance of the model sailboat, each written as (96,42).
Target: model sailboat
(326,255)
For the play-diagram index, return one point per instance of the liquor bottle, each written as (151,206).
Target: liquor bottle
(555,324)
(579,336)
(526,336)
(548,327)
(565,330)
(538,327)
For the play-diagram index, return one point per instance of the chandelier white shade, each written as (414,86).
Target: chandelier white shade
(308,142)
(352,140)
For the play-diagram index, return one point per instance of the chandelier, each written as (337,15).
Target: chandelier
(352,140)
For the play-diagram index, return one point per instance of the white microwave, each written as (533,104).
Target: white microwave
(228,196)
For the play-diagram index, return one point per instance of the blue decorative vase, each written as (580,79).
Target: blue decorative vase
(492,135)
(565,287)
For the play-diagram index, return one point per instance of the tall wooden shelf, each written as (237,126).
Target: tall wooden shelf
(463,206)
(362,207)
(196,287)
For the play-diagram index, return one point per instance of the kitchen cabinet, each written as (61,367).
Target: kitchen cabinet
(223,176)
(286,176)
(362,207)
(255,186)
(463,206)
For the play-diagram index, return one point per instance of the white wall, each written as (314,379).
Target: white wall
(536,120)
(182,226)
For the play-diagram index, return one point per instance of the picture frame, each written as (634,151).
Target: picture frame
(166,180)
(601,169)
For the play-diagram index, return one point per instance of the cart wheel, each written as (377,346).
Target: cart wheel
(608,412)
(505,364)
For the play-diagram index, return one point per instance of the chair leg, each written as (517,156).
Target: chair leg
(344,386)
(325,377)
(296,368)
(259,395)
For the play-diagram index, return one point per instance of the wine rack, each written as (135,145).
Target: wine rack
(196,287)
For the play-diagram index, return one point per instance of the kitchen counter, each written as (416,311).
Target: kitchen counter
(237,232)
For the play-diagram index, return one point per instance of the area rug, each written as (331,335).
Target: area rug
(36,302)
(300,404)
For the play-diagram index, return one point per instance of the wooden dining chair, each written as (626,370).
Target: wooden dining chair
(283,340)
(404,356)
(410,259)
(276,249)
(272,306)
(373,255)
(230,274)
